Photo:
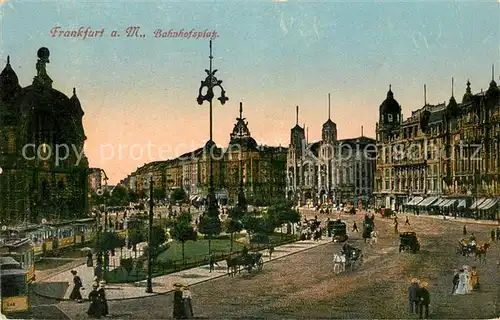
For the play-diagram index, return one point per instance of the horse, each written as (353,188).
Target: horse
(339,263)
(373,237)
(481,252)
(233,265)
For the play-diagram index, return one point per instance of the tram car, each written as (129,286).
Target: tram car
(14,287)
(338,230)
(22,251)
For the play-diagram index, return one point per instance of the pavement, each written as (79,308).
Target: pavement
(59,286)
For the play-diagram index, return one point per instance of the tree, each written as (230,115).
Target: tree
(136,236)
(108,241)
(183,230)
(119,196)
(133,196)
(209,226)
(158,237)
(159,193)
(179,195)
(233,226)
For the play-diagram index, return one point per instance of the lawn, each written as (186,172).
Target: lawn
(197,250)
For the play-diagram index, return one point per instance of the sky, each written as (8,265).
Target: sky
(139,92)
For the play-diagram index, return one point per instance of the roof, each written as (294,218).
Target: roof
(361,140)
(390,105)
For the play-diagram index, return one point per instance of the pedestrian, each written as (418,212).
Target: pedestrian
(187,302)
(465,230)
(94,310)
(493,237)
(212,262)
(498,233)
(75,293)
(407,222)
(425,300)
(456,279)
(98,271)
(396,227)
(178,303)
(355,227)
(90,258)
(103,302)
(413,297)
(271,250)
(474,279)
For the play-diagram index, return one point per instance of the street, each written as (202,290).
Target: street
(303,285)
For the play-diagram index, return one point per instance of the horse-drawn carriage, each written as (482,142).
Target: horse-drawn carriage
(338,230)
(467,247)
(368,227)
(248,261)
(353,256)
(408,242)
(311,230)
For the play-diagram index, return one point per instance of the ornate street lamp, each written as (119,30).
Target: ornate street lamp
(210,83)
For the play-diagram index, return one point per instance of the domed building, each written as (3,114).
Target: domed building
(44,169)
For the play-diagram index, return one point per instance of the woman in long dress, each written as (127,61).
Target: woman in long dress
(178,302)
(186,301)
(103,302)
(463,283)
(75,293)
(474,279)
(94,310)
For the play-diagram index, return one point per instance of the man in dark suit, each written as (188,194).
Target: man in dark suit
(413,297)
(425,300)
(456,279)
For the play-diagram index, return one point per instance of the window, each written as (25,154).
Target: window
(11,142)
(389,117)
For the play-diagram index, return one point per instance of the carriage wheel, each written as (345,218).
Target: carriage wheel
(260,264)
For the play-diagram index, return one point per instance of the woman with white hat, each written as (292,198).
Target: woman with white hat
(186,300)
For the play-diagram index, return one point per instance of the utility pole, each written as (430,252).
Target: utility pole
(149,285)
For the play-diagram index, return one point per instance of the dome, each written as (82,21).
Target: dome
(329,124)
(9,83)
(468,94)
(75,102)
(390,105)
(245,143)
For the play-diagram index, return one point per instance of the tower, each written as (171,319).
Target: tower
(389,117)
(329,130)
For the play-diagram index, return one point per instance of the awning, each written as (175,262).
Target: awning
(415,201)
(191,198)
(490,204)
(484,203)
(477,202)
(450,202)
(462,203)
(445,202)
(427,201)
(439,202)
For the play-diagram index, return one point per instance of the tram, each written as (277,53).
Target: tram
(14,287)
(21,250)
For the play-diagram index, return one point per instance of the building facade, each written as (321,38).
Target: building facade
(36,122)
(260,170)
(331,170)
(443,155)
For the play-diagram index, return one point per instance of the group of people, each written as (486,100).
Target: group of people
(419,298)
(97,297)
(465,280)
(183,306)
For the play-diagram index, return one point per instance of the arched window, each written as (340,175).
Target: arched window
(389,117)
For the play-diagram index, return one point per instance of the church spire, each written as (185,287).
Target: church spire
(297,116)
(8,60)
(241,110)
(329,118)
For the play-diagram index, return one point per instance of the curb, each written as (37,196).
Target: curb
(154,294)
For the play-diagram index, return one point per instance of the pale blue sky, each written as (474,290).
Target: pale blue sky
(272,56)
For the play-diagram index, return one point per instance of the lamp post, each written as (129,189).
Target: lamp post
(242,203)
(149,285)
(210,83)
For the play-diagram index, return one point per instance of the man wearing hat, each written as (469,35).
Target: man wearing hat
(425,300)
(413,296)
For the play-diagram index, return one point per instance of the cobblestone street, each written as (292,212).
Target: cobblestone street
(303,285)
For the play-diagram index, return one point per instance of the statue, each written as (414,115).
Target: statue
(42,78)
